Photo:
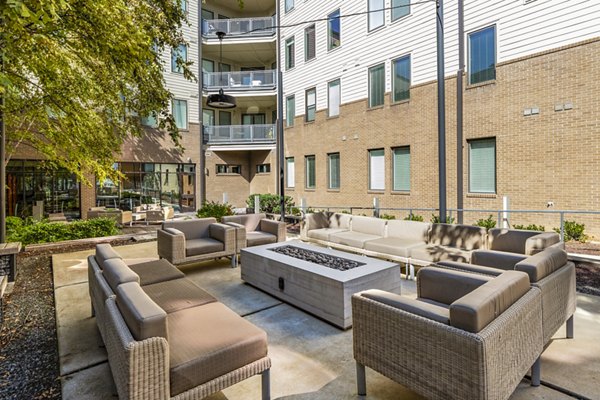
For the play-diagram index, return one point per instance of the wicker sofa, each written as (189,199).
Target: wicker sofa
(165,336)
(121,217)
(466,336)
(255,230)
(193,240)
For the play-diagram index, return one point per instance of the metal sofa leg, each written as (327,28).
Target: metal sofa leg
(266,384)
(93,310)
(536,371)
(234,261)
(571,327)
(361,379)
(412,272)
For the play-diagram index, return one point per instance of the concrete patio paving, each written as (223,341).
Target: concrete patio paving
(311,358)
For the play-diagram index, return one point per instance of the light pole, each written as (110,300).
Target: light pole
(280,147)
(459,110)
(441,109)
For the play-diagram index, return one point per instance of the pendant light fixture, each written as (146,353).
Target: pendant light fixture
(220,100)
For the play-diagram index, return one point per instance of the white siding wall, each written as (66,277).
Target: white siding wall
(177,84)
(522,29)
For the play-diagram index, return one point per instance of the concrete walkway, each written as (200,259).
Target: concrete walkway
(311,359)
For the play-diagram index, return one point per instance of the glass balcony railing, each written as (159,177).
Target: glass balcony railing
(239,27)
(240,80)
(239,134)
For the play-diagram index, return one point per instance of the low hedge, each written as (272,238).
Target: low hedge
(32,232)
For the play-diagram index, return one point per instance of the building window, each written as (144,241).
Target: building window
(376,85)
(482,165)
(401,79)
(290,173)
(400,8)
(289,5)
(333,171)
(150,120)
(334,30)
(180,53)
(377,169)
(290,110)
(482,55)
(401,171)
(184,6)
(311,175)
(180,113)
(376,14)
(311,104)
(309,43)
(229,169)
(333,99)
(263,168)
(290,53)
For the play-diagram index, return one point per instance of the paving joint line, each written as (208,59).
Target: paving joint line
(560,389)
(85,368)
(262,309)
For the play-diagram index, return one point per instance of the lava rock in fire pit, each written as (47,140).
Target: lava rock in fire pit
(315,257)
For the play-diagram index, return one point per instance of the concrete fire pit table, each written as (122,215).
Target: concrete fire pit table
(320,290)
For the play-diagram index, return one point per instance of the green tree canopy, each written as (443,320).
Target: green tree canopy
(77,75)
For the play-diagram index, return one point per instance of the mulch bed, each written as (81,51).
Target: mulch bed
(29,367)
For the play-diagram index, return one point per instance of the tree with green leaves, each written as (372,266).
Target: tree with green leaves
(78,75)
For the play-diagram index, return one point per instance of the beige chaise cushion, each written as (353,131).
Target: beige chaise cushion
(209,341)
(116,272)
(543,263)
(477,309)
(196,247)
(424,309)
(144,318)
(156,271)
(178,294)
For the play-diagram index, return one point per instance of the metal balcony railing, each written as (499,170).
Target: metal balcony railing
(240,80)
(239,134)
(239,27)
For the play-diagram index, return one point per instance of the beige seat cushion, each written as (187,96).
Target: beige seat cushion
(156,271)
(323,233)
(257,238)
(104,251)
(350,238)
(209,341)
(543,263)
(432,253)
(196,247)
(144,318)
(178,294)
(392,245)
(116,272)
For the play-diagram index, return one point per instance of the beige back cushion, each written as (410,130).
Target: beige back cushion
(465,237)
(476,310)
(445,285)
(193,228)
(543,263)
(410,230)
(144,318)
(341,221)
(369,225)
(510,240)
(116,272)
(104,252)
(539,242)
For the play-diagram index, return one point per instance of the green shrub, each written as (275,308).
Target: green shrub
(487,223)
(269,203)
(387,216)
(573,231)
(531,227)
(345,212)
(414,217)
(435,219)
(215,210)
(32,232)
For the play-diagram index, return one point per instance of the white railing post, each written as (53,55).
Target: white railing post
(505,212)
(375,207)
(257,204)
(562,226)
(225,198)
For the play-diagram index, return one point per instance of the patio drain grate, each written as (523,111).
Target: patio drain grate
(315,257)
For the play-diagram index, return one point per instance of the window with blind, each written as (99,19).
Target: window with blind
(482,55)
(311,104)
(377,169)
(290,172)
(333,173)
(333,98)
(309,43)
(400,8)
(311,176)
(334,30)
(482,165)
(180,113)
(401,79)
(376,18)
(176,54)
(401,169)
(290,110)
(290,53)
(376,85)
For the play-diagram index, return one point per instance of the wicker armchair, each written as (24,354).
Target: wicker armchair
(187,241)
(255,230)
(466,336)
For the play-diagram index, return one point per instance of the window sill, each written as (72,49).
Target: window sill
(310,189)
(379,107)
(375,191)
(400,193)
(329,50)
(309,122)
(333,116)
(375,30)
(228,174)
(400,102)
(263,173)
(480,84)
(333,190)
(290,189)
(404,17)
(482,195)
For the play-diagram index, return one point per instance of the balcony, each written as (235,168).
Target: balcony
(240,134)
(240,80)
(239,27)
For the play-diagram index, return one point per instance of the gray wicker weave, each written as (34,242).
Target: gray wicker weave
(442,362)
